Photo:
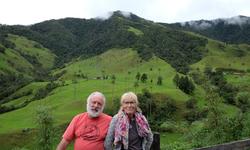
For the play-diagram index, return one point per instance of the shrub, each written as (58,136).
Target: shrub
(44,120)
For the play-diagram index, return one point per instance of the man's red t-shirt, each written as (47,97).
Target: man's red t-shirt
(89,133)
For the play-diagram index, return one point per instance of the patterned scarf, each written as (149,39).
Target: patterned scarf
(122,127)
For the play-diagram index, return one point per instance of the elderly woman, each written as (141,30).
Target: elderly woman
(129,129)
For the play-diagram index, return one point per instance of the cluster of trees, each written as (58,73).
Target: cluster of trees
(194,113)
(226,90)
(3,41)
(40,94)
(144,78)
(218,127)
(43,92)
(2,49)
(184,83)
(11,83)
(4,108)
(222,31)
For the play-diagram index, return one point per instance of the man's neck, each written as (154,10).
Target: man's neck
(93,117)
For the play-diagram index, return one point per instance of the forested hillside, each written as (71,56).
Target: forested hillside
(71,38)
(230,30)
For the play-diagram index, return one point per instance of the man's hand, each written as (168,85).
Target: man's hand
(62,145)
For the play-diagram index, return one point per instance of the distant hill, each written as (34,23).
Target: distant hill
(71,38)
(230,30)
(21,62)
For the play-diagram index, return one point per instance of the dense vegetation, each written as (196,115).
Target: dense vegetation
(70,38)
(235,32)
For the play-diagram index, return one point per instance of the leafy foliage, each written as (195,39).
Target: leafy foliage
(11,83)
(45,128)
(184,83)
(220,29)
(157,107)
(226,90)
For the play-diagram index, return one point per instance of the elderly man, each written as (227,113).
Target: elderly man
(88,129)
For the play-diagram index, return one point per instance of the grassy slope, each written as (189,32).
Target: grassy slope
(16,97)
(13,61)
(43,55)
(68,100)
(223,57)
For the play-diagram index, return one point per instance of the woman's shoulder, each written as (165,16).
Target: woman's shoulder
(115,117)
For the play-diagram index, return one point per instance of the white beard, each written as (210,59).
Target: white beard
(92,113)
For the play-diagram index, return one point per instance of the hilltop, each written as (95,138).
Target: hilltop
(233,30)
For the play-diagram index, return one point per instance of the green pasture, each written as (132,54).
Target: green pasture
(220,55)
(28,47)
(70,99)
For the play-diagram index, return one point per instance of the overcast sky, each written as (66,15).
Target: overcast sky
(26,12)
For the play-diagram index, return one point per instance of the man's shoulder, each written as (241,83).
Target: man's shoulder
(81,115)
(106,117)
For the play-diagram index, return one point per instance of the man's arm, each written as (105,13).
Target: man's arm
(62,145)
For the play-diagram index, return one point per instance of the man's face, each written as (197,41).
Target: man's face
(95,106)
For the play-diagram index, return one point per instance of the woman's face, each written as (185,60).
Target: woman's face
(129,106)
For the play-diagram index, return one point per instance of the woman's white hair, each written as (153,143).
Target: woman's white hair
(131,96)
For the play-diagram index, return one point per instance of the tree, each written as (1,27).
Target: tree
(243,101)
(146,102)
(2,49)
(186,85)
(136,84)
(138,76)
(44,120)
(113,78)
(144,77)
(208,71)
(159,80)
(176,79)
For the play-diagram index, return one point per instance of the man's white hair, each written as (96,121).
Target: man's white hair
(90,98)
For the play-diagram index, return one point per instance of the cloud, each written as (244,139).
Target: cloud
(168,11)
(237,20)
(109,14)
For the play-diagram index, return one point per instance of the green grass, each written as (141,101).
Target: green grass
(69,100)
(238,79)
(135,31)
(222,57)
(12,61)
(169,138)
(17,98)
(43,55)
(229,110)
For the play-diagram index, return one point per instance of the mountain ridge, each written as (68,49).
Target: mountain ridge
(70,38)
(235,30)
